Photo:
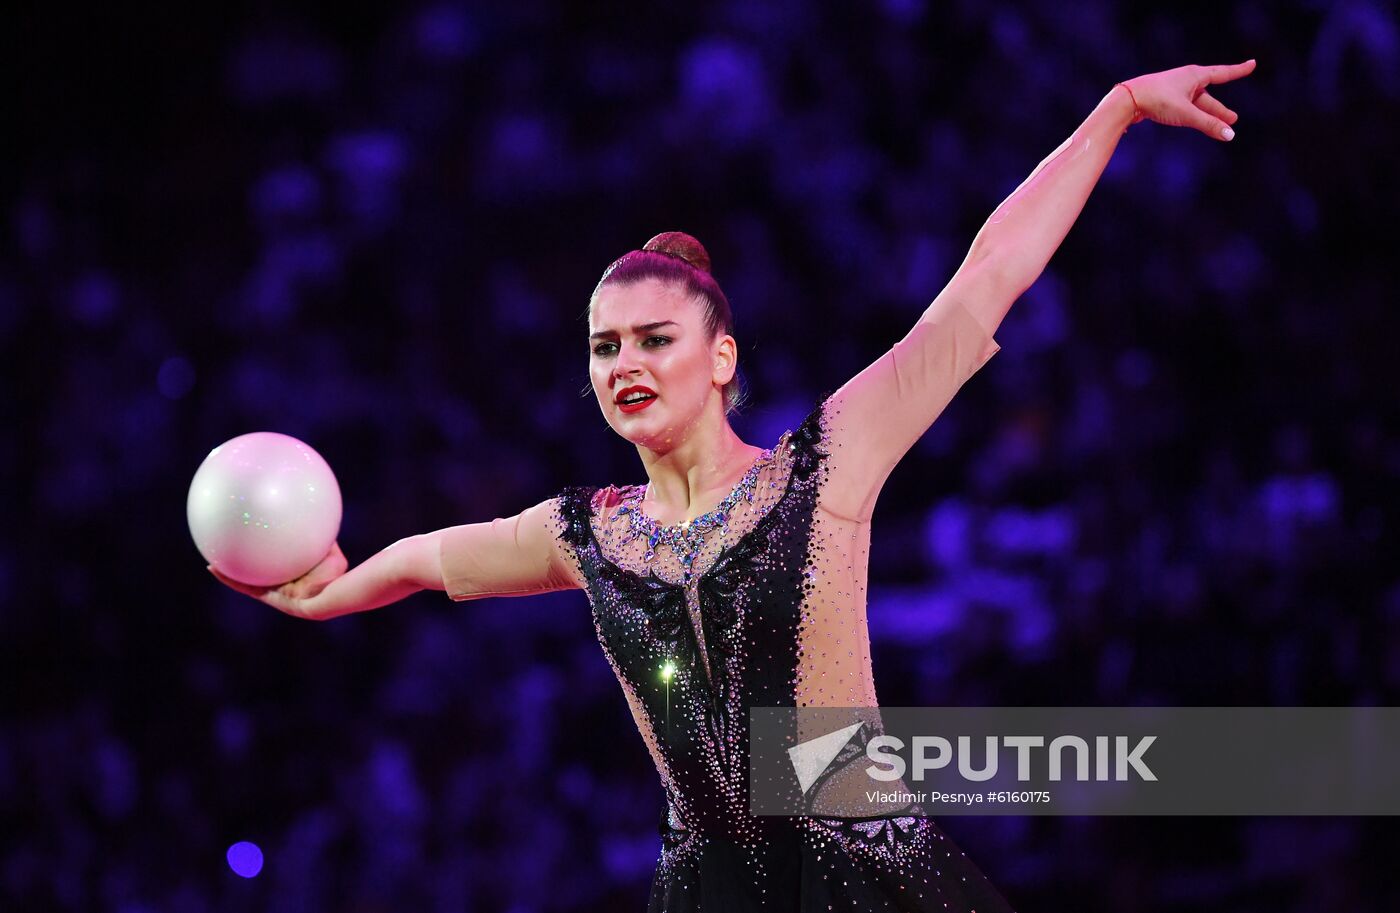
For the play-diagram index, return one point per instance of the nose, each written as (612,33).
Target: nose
(627,364)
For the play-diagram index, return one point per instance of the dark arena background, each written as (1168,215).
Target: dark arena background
(377,231)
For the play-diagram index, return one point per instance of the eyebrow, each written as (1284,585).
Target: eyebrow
(639,329)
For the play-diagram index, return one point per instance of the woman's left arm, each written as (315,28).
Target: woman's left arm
(1027,228)
(873,420)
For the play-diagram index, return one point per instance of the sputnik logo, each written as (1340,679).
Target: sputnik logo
(811,758)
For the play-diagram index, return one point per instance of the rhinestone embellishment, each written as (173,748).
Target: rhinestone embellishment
(687,538)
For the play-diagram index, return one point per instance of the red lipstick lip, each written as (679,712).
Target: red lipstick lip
(634,407)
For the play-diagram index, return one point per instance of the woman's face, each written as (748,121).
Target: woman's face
(647,337)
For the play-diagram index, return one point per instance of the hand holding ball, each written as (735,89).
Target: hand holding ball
(264,509)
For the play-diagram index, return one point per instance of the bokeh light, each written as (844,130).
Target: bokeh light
(245,858)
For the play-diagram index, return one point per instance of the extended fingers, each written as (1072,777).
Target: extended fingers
(1227,72)
(1191,116)
(1209,104)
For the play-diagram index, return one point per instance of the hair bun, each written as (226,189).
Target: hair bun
(679,244)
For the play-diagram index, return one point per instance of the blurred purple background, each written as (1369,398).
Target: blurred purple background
(378,231)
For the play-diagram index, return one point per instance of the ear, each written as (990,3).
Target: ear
(726,359)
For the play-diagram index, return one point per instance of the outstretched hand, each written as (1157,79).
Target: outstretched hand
(1178,98)
(294,598)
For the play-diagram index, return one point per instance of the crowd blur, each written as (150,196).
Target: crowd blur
(377,232)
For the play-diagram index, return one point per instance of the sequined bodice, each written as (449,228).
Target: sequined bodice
(688,539)
(693,657)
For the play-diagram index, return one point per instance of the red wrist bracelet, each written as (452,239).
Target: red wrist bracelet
(1137,112)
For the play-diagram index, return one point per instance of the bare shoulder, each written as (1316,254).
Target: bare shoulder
(607,499)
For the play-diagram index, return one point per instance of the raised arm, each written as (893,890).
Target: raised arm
(877,416)
(1024,232)
(511,556)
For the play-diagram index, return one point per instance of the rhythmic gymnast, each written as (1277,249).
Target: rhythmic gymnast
(735,577)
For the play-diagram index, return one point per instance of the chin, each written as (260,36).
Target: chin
(643,437)
(650,434)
